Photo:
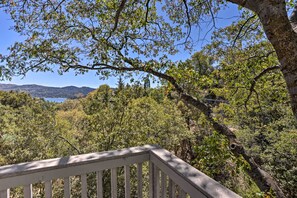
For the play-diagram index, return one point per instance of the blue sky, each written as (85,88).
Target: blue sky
(8,37)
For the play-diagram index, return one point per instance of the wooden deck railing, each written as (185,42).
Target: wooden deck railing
(169,176)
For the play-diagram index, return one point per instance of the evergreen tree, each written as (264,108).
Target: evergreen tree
(120,84)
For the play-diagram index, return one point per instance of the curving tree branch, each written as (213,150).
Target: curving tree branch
(117,17)
(241,29)
(67,141)
(147,6)
(188,19)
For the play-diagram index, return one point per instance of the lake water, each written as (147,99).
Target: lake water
(57,100)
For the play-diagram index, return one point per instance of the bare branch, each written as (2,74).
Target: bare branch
(250,29)
(91,32)
(147,12)
(256,78)
(117,17)
(188,19)
(212,14)
(55,8)
(241,28)
(77,150)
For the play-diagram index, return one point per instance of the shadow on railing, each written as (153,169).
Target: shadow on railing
(169,176)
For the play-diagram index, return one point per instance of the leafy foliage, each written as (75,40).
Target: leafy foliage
(25,126)
(235,76)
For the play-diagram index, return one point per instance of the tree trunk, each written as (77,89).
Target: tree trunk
(281,34)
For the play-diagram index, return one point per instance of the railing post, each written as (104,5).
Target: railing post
(139,179)
(99,184)
(151,179)
(114,186)
(48,189)
(171,189)
(163,184)
(28,191)
(5,193)
(156,182)
(67,187)
(127,181)
(181,193)
(84,186)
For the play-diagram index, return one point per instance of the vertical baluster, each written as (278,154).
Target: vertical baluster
(84,186)
(172,189)
(151,180)
(163,185)
(127,181)
(5,193)
(181,193)
(66,187)
(157,182)
(48,189)
(99,184)
(28,191)
(114,183)
(139,180)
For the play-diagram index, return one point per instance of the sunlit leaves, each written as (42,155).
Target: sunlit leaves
(197,75)
(26,128)
(72,33)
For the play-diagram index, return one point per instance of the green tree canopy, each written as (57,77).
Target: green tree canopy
(113,37)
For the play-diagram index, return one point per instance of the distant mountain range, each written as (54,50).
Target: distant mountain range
(48,92)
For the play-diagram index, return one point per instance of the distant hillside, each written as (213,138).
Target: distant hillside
(48,92)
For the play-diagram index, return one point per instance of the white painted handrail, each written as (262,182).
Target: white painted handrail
(192,181)
(169,176)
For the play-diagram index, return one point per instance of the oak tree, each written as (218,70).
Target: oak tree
(111,37)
